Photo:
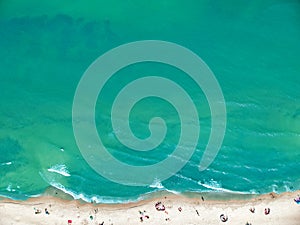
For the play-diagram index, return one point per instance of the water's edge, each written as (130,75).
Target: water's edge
(204,196)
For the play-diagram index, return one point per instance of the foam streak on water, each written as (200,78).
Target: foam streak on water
(60,169)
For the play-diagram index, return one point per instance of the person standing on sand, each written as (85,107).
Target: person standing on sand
(267,211)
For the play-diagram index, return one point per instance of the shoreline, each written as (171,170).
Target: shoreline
(209,195)
(283,210)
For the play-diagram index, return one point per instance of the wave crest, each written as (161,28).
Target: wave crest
(60,169)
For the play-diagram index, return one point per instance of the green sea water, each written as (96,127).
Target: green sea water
(251,46)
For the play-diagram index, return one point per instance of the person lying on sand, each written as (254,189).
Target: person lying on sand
(160,207)
(297,200)
(37,211)
(252,209)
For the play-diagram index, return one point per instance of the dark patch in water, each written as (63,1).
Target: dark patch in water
(9,150)
(296,114)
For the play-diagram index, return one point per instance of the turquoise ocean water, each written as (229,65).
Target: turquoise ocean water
(251,46)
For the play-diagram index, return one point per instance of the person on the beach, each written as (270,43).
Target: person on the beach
(46,211)
(252,209)
(267,211)
(159,206)
(142,215)
(223,217)
(179,209)
(37,211)
(297,200)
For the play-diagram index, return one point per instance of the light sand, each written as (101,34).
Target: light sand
(283,211)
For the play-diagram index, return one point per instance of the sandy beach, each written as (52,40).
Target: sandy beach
(172,209)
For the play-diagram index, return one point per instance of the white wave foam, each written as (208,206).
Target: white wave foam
(246,179)
(157,184)
(60,169)
(287,186)
(173,191)
(10,189)
(94,199)
(253,192)
(6,164)
(274,188)
(215,186)
(243,104)
(183,177)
